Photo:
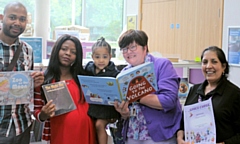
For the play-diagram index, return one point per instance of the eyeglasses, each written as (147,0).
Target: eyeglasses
(132,48)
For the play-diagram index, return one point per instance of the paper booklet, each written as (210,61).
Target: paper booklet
(129,85)
(16,87)
(58,92)
(199,123)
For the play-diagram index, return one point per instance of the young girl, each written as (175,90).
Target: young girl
(102,66)
(76,126)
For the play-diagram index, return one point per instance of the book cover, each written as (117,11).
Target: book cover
(58,92)
(16,88)
(129,85)
(183,90)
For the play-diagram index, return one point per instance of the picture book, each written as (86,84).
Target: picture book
(16,88)
(183,90)
(58,92)
(129,85)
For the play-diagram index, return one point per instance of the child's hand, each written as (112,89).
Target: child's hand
(47,111)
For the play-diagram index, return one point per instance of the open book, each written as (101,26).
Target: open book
(129,85)
(58,92)
(16,87)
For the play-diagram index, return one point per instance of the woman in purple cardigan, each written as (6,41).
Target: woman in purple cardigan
(157,115)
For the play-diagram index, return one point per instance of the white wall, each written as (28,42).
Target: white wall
(231,18)
(132,8)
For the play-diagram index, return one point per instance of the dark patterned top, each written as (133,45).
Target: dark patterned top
(20,115)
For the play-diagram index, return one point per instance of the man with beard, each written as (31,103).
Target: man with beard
(15,120)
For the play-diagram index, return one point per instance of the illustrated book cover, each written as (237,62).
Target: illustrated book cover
(183,90)
(59,93)
(129,85)
(16,88)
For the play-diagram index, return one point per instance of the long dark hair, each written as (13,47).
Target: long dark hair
(53,69)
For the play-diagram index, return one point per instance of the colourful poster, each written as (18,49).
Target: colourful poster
(234,45)
(36,43)
(87,49)
(50,44)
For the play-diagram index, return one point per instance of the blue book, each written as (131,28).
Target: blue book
(129,85)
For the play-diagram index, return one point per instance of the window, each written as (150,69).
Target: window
(102,17)
(62,12)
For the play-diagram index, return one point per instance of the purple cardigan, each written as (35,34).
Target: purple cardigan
(162,124)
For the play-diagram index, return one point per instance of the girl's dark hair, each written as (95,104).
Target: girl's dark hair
(53,69)
(221,56)
(101,43)
(128,37)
